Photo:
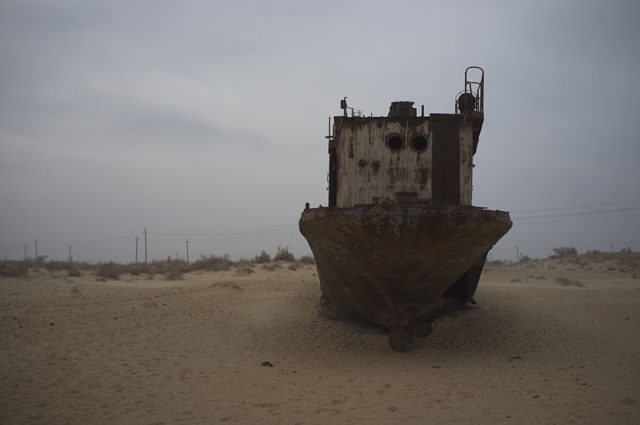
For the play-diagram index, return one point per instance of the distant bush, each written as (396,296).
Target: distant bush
(262,258)
(244,271)
(110,270)
(175,268)
(524,259)
(564,251)
(594,252)
(59,265)
(136,269)
(568,282)
(307,259)
(73,272)
(213,263)
(18,269)
(174,275)
(271,267)
(283,254)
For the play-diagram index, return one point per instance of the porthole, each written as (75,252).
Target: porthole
(395,143)
(419,143)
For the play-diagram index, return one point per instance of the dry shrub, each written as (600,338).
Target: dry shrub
(213,263)
(271,266)
(67,265)
(73,272)
(110,270)
(174,275)
(564,252)
(307,259)
(283,254)
(262,258)
(136,269)
(229,284)
(628,261)
(568,282)
(574,260)
(244,271)
(59,265)
(292,267)
(18,269)
(175,268)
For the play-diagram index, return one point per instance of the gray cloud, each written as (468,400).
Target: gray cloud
(210,116)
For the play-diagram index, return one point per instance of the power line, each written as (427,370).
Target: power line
(631,201)
(570,219)
(577,213)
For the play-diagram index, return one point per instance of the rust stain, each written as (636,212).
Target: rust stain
(393,264)
(423,176)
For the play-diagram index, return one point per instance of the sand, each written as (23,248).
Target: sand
(152,351)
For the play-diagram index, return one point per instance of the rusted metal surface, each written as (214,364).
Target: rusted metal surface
(400,243)
(394,264)
(376,160)
(445,172)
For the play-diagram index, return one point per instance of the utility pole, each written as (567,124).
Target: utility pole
(25,253)
(70,257)
(145,245)
(36,250)
(187,241)
(136,248)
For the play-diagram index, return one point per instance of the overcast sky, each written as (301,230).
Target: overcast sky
(206,120)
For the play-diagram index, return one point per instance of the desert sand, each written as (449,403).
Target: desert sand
(141,350)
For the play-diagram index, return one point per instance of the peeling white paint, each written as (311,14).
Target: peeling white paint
(369,172)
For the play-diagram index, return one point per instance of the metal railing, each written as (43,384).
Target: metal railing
(471,99)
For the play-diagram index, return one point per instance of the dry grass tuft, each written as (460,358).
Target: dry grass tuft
(283,254)
(244,271)
(271,266)
(262,258)
(568,282)
(73,272)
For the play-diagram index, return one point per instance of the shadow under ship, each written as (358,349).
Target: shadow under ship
(400,243)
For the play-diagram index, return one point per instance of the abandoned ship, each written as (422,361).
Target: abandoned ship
(399,243)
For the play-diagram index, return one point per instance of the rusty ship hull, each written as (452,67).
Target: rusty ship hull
(401,266)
